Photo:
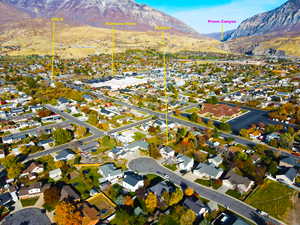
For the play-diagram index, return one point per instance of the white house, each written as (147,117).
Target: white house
(109,173)
(167,152)
(184,162)
(217,160)
(132,181)
(31,191)
(55,174)
(235,181)
(288,177)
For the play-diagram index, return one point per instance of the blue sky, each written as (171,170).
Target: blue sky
(195,13)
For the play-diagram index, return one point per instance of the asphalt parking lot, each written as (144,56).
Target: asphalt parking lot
(28,216)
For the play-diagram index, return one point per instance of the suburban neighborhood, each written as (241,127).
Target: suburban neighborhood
(220,145)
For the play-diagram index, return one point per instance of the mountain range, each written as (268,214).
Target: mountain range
(285,18)
(98,12)
(26,24)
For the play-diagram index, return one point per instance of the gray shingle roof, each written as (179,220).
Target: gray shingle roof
(132,178)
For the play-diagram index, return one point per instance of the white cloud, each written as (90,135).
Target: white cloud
(237,10)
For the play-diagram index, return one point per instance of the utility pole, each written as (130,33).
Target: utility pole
(113,40)
(165,78)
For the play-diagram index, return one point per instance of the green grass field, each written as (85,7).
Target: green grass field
(29,201)
(273,198)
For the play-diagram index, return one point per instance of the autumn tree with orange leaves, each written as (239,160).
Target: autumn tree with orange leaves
(67,213)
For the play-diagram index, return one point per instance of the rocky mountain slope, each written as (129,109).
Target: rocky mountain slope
(284,18)
(97,12)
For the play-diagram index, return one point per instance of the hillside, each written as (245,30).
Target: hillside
(34,37)
(285,18)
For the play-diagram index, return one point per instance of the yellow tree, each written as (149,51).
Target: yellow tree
(187,218)
(80,132)
(67,213)
(176,196)
(151,202)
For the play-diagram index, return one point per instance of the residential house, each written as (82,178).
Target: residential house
(5,199)
(31,191)
(137,145)
(64,155)
(132,181)
(13,138)
(109,173)
(235,181)
(88,98)
(91,216)
(50,119)
(33,169)
(167,152)
(161,187)
(2,154)
(117,152)
(107,113)
(46,144)
(63,103)
(196,205)
(185,163)
(68,192)
(208,171)
(90,147)
(55,174)
(289,162)
(289,176)
(217,160)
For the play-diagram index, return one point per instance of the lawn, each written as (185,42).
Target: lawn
(273,198)
(206,183)
(29,201)
(234,193)
(172,167)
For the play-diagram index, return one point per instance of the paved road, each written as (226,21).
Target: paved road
(162,116)
(41,128)
(129,126)
(148,165)
(73,143)
(28,216)
(73,119)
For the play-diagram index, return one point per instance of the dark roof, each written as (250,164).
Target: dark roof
(67,192)
(63,154)
(194,205)
(237,179)
(291,174)
(63,100)
(5,198)
(132,178)
(291,161)
(161,187)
